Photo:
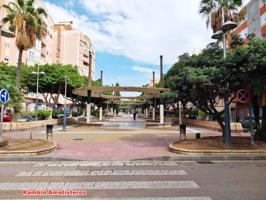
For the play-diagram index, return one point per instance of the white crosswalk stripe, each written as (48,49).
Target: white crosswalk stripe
(106,173)
(109,178)
(106,164)
(101,185)
(141,198)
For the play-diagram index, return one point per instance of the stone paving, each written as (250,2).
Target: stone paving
(122,140)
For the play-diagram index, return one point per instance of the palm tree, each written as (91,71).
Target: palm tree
(219,11)
(27,23)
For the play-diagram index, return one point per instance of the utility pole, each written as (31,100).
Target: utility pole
(162,86)
(153,79)
(101,79)
(161,72)
(65,120)
(154,106)
(89,89)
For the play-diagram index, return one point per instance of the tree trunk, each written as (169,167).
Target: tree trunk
(256,109)
(19,66)
(221,123)
(263,124)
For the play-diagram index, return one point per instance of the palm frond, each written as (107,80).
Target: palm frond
(21,4)
(41,11)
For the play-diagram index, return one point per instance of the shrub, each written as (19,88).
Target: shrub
(75,114)
(202,115)
(43,114)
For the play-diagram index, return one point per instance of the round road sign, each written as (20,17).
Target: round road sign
(243,96)
(4,96)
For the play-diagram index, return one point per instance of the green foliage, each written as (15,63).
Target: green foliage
(75,114)
(58,112)
(27,22)
(206,78)
(43,113)
(203,115)
(8,81)
(212,11)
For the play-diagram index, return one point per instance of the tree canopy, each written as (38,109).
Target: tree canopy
(202,79)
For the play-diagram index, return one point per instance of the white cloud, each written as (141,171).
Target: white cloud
(141,30)
(142,69)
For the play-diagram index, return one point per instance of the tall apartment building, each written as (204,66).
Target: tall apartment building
(254,19)
(73,47)
(41,53)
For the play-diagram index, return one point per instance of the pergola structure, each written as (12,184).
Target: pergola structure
(98,92)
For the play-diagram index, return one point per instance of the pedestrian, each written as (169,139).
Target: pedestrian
(134,115)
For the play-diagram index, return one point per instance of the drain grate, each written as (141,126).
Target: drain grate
(205,162)
(79,139)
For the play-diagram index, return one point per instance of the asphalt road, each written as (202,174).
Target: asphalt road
(142,180)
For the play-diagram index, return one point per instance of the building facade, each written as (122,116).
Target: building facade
(41,53)
(73,47)
(254,20)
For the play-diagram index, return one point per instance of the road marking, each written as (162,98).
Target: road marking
(140,198)
(105,173)
(106,163)
(121,185)
(192,130)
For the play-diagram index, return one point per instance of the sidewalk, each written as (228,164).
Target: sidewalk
(27,147)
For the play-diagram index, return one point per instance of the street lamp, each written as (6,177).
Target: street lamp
(38,73)
(221,34)
(65,121)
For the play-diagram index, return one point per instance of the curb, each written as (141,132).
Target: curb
(30,152)
(216,152)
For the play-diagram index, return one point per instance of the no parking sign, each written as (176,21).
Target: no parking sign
(243,96)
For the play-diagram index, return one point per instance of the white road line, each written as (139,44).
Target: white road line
(140,198)
(192,130)
(121,185)
(105,173)
(106,163)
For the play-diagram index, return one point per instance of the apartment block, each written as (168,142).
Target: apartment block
(254,20)
(41,53)
(73,47)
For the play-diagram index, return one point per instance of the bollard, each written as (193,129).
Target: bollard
(197,136)
(182,128)
(49,131)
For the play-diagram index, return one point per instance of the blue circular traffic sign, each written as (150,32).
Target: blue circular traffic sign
(4,96)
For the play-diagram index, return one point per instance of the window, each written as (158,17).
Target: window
(31,55)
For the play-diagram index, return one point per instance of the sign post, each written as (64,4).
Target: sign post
(243,96)
(4,98)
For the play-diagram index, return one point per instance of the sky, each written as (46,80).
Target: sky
(130,35)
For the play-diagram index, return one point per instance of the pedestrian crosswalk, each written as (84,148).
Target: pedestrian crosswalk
(143,180)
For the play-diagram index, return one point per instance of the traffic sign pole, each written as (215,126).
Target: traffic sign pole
(4,97)
(2,124)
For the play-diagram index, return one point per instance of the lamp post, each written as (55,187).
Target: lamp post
(221,34)
(38,73)
(65,121)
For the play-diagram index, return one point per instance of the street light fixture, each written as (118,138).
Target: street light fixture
(65,121)
(38,73)
(221,34)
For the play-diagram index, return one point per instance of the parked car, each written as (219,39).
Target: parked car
(246,123)
(24,118)
(7,118)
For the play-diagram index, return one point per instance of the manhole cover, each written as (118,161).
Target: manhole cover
(78,139)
